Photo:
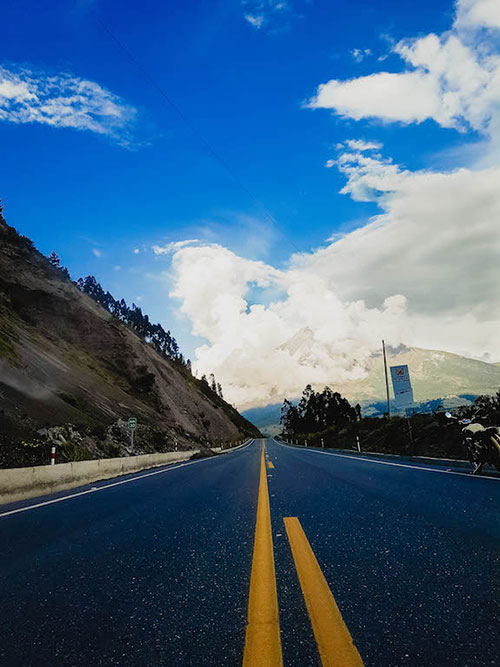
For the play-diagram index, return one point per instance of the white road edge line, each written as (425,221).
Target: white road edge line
(172,467)
(391,463)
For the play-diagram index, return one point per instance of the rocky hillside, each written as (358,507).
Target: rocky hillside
(64,360)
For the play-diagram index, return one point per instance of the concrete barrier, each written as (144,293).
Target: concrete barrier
(21,483)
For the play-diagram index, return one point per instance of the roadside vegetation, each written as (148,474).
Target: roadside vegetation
(327,419)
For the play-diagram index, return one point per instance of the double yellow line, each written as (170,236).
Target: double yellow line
(263,643)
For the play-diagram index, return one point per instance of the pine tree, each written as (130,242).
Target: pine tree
(54,259)
(154,334)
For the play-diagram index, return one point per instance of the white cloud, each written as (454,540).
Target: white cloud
(97,252)
(478,13)
(136,251)
(423,272)
(360,54)
(453,79)
(173,246)
(271,14)
(362,145)
(368,175)
(63,100)
(256,21)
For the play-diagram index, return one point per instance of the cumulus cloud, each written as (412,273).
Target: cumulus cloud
(368,175)
(453,79)
(423,272)
(478,13)
(63,100)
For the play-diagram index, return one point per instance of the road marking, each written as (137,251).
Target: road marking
(174,466)
(270,464)
(398,465)
(262,641)
(332,636)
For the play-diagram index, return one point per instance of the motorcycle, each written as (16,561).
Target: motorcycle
(482,443)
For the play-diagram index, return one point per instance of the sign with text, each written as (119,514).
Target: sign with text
(132,422)
(403,393)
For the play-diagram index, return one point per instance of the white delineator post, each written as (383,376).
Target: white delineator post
(53,455)
(322,443)
(358,443)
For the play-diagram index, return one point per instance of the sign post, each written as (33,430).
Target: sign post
(410,431)
(386,382)
(403,393)
(132,425)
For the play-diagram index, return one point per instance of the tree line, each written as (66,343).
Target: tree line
(162,341)
(215,386)
(317,411)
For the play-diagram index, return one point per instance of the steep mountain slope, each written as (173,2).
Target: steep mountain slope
(64,359)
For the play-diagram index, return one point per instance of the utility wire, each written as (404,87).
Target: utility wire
(208,147)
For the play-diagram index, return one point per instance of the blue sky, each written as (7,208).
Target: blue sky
(240,72)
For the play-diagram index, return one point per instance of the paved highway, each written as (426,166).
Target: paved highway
(376,564)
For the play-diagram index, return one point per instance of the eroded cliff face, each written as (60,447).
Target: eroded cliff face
(64,359)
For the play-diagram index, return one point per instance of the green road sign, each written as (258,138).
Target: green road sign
(132,422)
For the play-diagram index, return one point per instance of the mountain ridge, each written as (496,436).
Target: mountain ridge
(435,375)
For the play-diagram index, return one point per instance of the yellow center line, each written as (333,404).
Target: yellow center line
(262,642)
(332,636)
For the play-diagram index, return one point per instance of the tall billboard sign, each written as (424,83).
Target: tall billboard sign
(403,393)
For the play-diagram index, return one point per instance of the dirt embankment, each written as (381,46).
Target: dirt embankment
(64,360)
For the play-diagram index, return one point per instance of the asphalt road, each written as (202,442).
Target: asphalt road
(156,571)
